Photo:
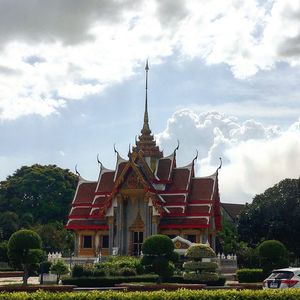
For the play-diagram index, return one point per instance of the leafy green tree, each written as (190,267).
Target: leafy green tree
(228,237)
(3,252)
(59,268)
(9,223)
(24,250)
(56,238)
(273,255)
(274,214)
(158,255)
(43,191)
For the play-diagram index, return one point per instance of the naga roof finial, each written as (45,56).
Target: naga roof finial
(98,160)
(177,147)
(220,166)
(116,151)
(76,171)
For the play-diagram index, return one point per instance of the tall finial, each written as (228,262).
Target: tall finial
(146,119)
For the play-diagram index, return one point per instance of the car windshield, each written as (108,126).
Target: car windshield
(281,275)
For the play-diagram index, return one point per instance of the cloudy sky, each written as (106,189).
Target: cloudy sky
(224,79)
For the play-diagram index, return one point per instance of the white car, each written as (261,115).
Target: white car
(283,279)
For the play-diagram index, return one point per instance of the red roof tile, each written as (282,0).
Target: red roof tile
(180,180)
(173,199)
(183,222)
(121,168)
(197,210)
(85,192)
(175,210)
(106,182)
(163,168)
(201,189)
(78,211)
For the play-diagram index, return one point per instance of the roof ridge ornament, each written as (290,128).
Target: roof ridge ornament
(99,162)
(177,146)
(221,163)
(196,157)
(116,151)
(76,171)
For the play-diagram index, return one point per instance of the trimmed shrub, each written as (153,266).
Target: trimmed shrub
(77,271)
(195,265)
(278,294)
(199,251)
(127,272)
(273,255)
(195,268)
(158,255)
(24,250)
(106,281)
(250,275)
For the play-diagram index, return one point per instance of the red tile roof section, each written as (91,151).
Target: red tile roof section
(85,192)
(164,168)
(173,199)
(180,180)
(201,189)
(106,181)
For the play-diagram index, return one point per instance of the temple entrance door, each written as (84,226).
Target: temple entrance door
(137,242)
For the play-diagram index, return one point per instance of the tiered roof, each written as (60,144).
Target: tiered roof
(180,199)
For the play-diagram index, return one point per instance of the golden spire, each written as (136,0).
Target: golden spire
(146,127)
(146,141)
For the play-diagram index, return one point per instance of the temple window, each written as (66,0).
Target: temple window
(87,241)
(105,241)
(191,238)
(138,238)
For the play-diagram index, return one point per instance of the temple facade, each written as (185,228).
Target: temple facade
(145,194)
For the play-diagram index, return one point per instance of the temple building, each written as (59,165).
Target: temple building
(144,195)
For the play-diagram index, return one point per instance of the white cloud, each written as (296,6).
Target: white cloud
(255,156)
(66,50)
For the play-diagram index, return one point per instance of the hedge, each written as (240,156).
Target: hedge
(111,281)
(250,275)
(278,294)
(106,281)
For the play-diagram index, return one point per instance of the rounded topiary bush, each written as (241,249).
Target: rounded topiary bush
(272,249)
(198,270)
(273,255)
(157,245)
(199,251)
(158,253)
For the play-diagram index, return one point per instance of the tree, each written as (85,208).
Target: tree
(24,250)
(55,237)
(273,255)
(9,223)
(228,237)
(158,255)
(45,192)
(3,252)
(273,214)
(59,268)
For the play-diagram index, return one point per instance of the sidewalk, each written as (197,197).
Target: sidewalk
(18,280)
